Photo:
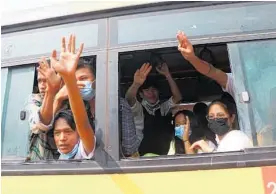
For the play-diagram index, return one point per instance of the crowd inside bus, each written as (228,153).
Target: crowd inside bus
(62,113)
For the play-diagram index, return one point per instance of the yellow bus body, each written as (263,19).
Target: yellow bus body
(258,180)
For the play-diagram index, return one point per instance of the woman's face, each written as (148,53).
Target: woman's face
(217,111)
(180,120)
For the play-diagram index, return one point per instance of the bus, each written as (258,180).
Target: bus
(236,37)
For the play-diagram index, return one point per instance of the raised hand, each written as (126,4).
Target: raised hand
(52,79)
(163,69)
(68,59)
(187,129)
(141,74)
(185,46)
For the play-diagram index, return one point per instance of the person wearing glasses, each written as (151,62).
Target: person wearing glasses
(221,116)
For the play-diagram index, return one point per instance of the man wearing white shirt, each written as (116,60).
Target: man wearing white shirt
(152,118)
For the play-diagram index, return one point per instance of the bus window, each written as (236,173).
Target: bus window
(258,61)
(42,145)
(32,140)
(19,85)
(193,86)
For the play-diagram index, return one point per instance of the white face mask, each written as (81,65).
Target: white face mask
(88,92)
(152,105)
(69,155)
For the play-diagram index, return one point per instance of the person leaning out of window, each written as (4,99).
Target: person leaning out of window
(73,132)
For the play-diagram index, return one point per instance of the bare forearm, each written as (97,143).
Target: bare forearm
(80,116)
(131,94)
(208,70)
(46,111)
(187,146)
(201,66)
(174,89)
(57,105)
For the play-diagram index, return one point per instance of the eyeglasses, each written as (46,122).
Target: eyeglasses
(218,116)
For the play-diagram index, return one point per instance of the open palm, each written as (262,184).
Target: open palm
(68,59)
(163,69)
(53,80)
(141,74)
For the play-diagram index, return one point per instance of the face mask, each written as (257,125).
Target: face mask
(152,105)
(179,131)
(70,155)
(219,126)
(87,93)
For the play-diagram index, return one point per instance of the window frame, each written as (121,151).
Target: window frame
(108,160)
(254,157)
(114,26)
(250,110)
(100,57)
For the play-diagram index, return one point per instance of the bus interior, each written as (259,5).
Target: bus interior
(194,86)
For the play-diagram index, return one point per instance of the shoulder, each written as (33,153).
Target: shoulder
(236,133)
(238,137)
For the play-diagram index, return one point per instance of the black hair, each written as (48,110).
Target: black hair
(190,114)
(200,108)
(227,97)
(227,105)
(200,111)
(198,132)
(179,147)
(147,84)
(67,115)
(87,64)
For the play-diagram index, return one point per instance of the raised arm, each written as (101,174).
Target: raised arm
(164,70)
(53,84)
(139,78)
(66,67)
(186,141)
(187,51)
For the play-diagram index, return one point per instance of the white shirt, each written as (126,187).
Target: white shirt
(138,114)
(234,140)
(243,123)
(210,144)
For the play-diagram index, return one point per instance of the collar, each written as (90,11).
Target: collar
(151,108)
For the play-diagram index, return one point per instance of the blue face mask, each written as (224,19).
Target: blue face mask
(87,93)
(71,154)
(179,131)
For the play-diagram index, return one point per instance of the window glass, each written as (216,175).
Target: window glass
(206,21)
(258,61)
(23,132)
(14,44)
(14,131)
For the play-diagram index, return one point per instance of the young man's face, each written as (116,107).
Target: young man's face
(85,74)
(150,94)
(41,84)
(65,137)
